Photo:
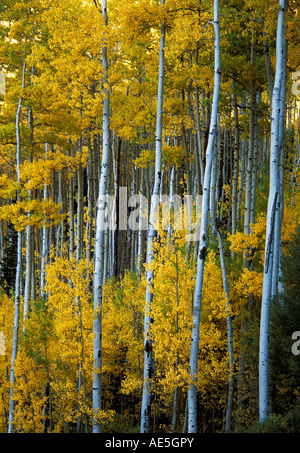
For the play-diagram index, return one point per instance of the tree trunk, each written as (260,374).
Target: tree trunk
(272,218)
(276,285)
(192,391)
(199,144)
(44,241)
(80,216)
(18,273)
(148,356)
(229,336)
(234,197)
(99,243)
(71,220)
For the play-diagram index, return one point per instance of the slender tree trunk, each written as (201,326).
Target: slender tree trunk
(44,241)
(90,198)
(99,243)
(28,272)
(229,336)
(80,216)
(148,356)
(255,165)
(276,285)
(71,220)
(249,192)
(29,254)
(234,214)
(192,391)
(272,218)
(117,203)
(242,173)
(29,228)
(268,66)
(199,142)
(141,242)
(18,274)
(175,399)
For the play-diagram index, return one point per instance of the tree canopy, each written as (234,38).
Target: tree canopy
(113,155)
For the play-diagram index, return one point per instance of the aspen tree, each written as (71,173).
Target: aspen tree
(199,160)
(100,237)
(229,335)
(28,273)
(148,353)
(18,269)
(29,251)
(234,215)
(44,254)
(244,152)
(192,392)
(90,207)
(276,283)
(272,219)
(79,231)
(71,215)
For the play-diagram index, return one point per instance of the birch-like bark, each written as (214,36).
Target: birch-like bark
(28,269)
(29,229)
(273,207)
(15,334)
(192,391)
(72,214)
(199,142)
(212,200)
(90,198)
(234,202)
(18,273)
(255,164)
(99,242)
(276,285)
(242,171)
(79,253)
(248,194)
(27,290)
(229,336)
(148,356)
(44,241)
(79,229)
(142,212)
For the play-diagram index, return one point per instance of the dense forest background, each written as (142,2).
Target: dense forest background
(80,106)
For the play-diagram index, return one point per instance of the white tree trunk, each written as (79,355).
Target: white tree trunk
(72,215)
(199,143)
(99,243)
(44,241)
(192,392)
(236,166)
(18,273)
(145,411)
(272,216)
(276,285)
(229,336)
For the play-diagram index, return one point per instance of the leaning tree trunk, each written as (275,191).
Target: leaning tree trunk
(99,244)
(192,392)
(272,218)
(148,357)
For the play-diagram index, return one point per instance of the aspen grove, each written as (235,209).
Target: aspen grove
(149,216)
